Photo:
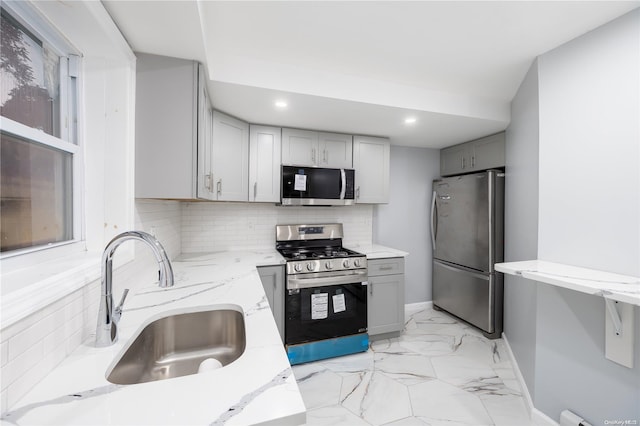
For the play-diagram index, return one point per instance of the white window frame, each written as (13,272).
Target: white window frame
(69,140)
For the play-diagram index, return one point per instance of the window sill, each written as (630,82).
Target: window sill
(26,291)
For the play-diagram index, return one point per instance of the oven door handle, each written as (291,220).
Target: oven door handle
(298,282)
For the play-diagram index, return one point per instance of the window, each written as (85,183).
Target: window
(39,154)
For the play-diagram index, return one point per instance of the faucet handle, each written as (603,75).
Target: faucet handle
(117,313)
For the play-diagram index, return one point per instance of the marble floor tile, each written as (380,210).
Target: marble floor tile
(436,401)
(506,410)
(407,369)
(438,372)
(319,388)
(379,400)
(334,415)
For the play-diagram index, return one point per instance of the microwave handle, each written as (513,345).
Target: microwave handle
(343,179)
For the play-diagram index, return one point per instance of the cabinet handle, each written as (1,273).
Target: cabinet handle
(219,187)
(386,268)
(473,161)
(325,155)
(358,193)
(370,288)
(208,182)
(313,155)
(463,162)
(255,190)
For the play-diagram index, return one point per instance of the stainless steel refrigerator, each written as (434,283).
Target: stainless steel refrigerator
(467,227)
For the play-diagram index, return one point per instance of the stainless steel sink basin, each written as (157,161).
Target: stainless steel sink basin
(175,345)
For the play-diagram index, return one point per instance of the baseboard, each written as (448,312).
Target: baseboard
(412,308)
(541,419)
(537,416)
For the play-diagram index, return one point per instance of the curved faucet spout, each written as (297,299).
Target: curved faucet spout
(107,330)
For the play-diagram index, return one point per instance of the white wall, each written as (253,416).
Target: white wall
(521,222)
(404,222)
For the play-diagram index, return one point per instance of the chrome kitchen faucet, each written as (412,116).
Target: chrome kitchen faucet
(108,317)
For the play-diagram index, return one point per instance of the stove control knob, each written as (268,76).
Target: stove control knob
(345,263)
(311,266)
(298,267)
(328,265)
(356,263)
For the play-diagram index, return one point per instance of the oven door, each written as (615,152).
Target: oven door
(325,312)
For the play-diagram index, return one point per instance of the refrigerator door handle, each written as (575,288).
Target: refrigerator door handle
(433,226)
(463,270)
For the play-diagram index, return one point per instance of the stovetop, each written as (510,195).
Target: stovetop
(317,253)
(317,249)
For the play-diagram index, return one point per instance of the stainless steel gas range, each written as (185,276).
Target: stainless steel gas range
(326,293)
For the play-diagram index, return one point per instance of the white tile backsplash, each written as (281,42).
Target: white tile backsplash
(210,227)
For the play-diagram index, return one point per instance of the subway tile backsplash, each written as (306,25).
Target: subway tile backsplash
(238,226)
(32,347)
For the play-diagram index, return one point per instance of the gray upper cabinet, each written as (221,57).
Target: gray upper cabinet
(480,154)
(371,158)
(168,130)
(316,149)
(230,158)
(335,150)
(204,176)
(264,163)
(299,147)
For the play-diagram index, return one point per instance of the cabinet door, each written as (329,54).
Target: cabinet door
(166,147)
(299,147)
(264,163)
(205,141)
(335,150)
(385,310)
(230,158)
(455,160)
(488,153)
(371,162)
(272,278)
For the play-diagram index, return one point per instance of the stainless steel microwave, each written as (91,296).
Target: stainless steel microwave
(313,186)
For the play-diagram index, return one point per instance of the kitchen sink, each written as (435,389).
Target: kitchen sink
(176,345)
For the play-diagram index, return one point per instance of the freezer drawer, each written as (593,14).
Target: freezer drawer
(472,296)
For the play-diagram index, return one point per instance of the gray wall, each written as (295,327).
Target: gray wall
(590,149)
(404,222)
(588,198)
(589,210)
(521,223)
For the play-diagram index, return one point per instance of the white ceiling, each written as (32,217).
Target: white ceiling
(362,67)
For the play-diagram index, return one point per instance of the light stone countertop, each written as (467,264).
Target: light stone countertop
(258,387)
(376,251)
(622,288)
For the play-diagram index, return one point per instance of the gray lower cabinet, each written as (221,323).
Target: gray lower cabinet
(272,278)
(385,310)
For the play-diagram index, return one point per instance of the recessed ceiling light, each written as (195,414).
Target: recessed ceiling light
(281,104)
(409,120)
